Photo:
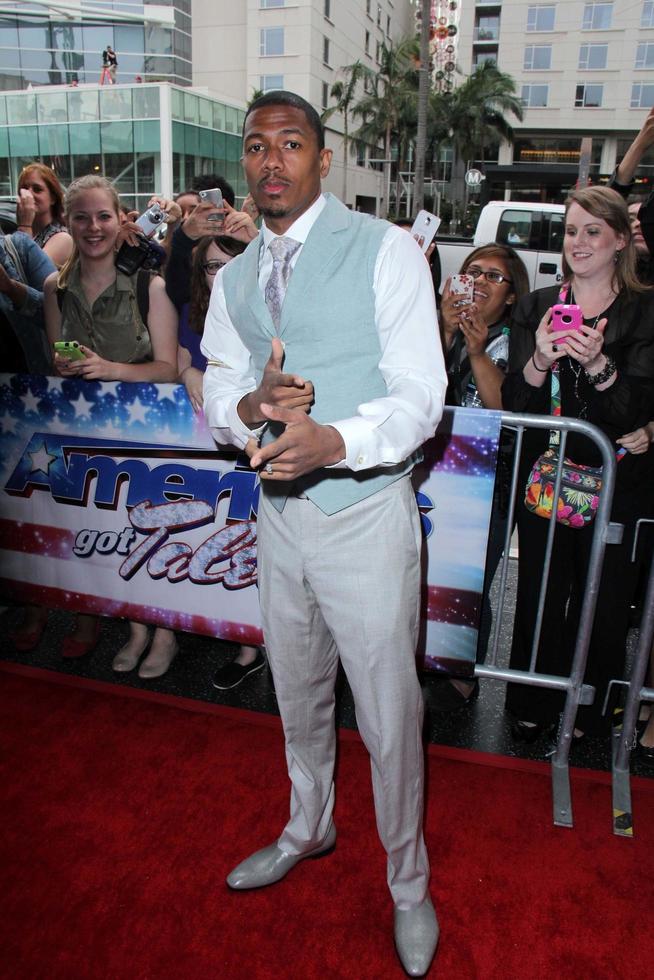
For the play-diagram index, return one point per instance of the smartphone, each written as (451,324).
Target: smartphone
(69,349)
(213,196)
(566,316)
(150,220)
(424,228)
(463,287)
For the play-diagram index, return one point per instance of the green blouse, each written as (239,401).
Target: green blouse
(112,327)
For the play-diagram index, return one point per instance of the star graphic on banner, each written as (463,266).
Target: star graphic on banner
(109,430)
(31,402)
(41,459)
(137,411)
(8,423)
(82,404)
(110,388)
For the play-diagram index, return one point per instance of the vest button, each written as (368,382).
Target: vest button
(361,460)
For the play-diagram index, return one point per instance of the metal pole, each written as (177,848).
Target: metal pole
(423,101)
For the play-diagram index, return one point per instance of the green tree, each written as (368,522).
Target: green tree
(480,108)
(388,106)
(344,93)
(256,94)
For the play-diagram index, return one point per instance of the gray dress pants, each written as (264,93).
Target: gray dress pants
(347,585)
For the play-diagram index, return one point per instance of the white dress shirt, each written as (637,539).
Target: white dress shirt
(385,431)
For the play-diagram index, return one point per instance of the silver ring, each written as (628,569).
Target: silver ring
(269,469)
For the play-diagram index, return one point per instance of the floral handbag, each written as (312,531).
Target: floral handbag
(580,485)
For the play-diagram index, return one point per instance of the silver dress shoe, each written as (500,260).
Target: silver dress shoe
(271,864)
(416,937)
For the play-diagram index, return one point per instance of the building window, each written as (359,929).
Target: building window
(645,56)
(540,18)
(367,44)
(593,56)
(597,17)
(271,41)
(642,96)
(368,7)
(535,96)
(481,57)
(588,96)
(271,3)
(379,15)
(325,50)
(538,57)
(271,83)
(647,16)
(487,29)
(378,52)
(325,95)
(388,25)
(327,9)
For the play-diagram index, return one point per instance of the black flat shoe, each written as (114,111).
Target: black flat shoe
(444,696)
(643,754)
(523,732)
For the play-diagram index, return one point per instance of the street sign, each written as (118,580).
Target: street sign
(473,178)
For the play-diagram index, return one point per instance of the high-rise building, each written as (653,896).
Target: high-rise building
(59,43)
(584,68)
(246,46)
(147,138)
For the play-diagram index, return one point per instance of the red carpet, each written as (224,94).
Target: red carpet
(122,817)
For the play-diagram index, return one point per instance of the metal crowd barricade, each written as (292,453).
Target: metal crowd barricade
(624,737)
(604,533)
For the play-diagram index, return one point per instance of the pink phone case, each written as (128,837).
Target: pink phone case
(566,316)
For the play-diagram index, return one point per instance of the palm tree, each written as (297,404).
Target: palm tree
(387,109)
(480,107)
(344,92)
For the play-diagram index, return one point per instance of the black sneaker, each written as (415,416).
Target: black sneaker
(233,674)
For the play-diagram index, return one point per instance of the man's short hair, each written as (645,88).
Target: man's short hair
(205,182)
(296,102)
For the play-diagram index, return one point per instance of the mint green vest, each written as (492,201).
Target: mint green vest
(330,338)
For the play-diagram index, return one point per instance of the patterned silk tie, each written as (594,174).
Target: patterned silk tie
(282,251)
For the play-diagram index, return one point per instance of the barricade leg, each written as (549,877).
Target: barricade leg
(624,737)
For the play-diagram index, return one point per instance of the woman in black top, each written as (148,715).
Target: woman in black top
(606,373)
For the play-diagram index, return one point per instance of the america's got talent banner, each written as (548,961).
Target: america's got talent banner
(115,500)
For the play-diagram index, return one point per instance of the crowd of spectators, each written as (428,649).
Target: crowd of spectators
(59,281)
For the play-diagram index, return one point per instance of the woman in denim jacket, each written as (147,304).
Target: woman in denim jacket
(22,327)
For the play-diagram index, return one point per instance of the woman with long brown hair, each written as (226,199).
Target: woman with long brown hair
(602,372)
(40,211)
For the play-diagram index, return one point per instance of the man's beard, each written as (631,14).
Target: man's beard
(274,210)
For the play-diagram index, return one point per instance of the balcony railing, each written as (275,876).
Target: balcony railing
(487,34)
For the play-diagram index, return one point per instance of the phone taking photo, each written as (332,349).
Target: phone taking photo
(566,316)
(69,349)
(462,286)
(424,228)
(213,196)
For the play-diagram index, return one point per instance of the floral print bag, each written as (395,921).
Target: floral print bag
(580,485)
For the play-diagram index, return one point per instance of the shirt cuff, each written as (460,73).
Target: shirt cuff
(239,429)
(357,435)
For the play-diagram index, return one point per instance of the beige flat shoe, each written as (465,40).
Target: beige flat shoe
(158,661)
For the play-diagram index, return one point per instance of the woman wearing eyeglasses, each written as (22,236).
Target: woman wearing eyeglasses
(476,344)
(476,336)
(209,256)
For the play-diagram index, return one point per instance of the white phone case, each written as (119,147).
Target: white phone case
(424,228)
